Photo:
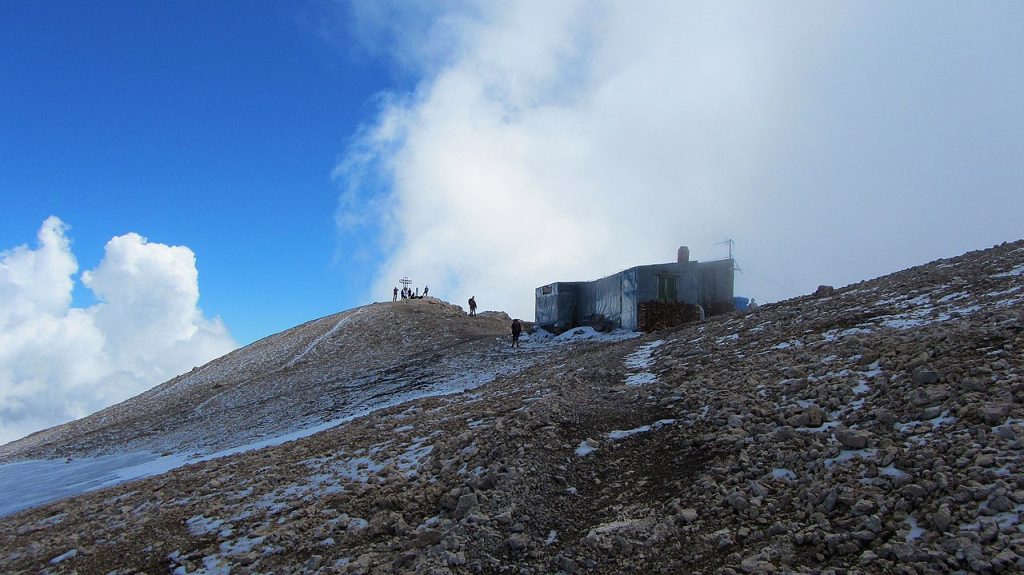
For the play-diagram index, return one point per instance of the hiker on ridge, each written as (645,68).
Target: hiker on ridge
(472,306)
(394,296)
(517,328)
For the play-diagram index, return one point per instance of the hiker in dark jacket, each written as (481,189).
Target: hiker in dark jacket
(517,328)
(472,305)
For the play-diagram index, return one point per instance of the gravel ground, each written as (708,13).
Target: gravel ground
(875,428)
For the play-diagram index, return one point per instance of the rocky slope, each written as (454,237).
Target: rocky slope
(873,429)
(323,370)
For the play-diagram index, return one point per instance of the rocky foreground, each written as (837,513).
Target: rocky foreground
(875,428)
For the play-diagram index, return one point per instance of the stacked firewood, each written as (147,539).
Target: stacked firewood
(656,315)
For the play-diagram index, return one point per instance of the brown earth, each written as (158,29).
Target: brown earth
(876,429)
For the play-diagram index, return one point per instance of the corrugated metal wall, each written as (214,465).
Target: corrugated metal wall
(556,304)
(716,286)
(630,292)
(618,296)
(687,286)
(602,297)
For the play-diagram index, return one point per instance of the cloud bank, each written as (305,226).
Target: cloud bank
(568,140)
(59,362)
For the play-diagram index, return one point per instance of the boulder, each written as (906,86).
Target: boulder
(852,438)
(925,376)
(737,501)
(467,503)
(995,413)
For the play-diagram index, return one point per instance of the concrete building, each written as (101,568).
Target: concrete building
(615,300)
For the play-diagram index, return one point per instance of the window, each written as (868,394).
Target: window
(667,288)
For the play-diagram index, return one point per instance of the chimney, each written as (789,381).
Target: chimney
(683,255)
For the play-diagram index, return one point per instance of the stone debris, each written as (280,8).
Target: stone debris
(874,428)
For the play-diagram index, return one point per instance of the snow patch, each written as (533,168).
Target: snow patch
(1005,520)
(953,297)
(313,344)
(914,532)
(639,379)
(617,435)
(240,545)
(1017,271)
(64,556)
(891,471)
(639,361)
(1000,293)
(783,473)
(202,525)
(850,454)
(836,334)
(588,333)
(641,358)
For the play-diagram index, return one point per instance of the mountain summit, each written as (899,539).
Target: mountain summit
(320,371)
(874,428)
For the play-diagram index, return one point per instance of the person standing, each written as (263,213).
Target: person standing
(426,289)
(517,329)
(394,296)
(472,306)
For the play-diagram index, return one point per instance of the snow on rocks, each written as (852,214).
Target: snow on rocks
(884,438)
(639,361)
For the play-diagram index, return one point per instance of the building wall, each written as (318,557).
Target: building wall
(687,286)
(555,304)
(617,297)
(630,281)
(601,297)
(716,286)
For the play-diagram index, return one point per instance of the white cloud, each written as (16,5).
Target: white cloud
(567,140)
(35,282)
(58,362)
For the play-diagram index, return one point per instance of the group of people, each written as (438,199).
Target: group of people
(409,293)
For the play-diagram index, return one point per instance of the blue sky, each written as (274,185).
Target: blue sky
(218,172)
(214,125)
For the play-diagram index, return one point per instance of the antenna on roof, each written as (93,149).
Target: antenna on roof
(727,241)
(731,243)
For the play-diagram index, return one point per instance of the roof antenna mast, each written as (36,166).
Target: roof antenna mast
(731,243)
(727,241)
